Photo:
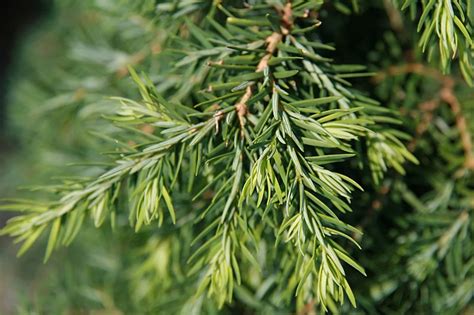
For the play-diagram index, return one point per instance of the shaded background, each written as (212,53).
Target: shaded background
(17,19)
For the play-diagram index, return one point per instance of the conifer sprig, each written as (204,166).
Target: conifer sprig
(446,29)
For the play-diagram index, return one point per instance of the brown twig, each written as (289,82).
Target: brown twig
(308,308)
(426,108)
(241,106)
(448,96)
(287,18)
(272,42)
(417,68)
(394,17)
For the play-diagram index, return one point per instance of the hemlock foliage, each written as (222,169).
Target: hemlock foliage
(239,167)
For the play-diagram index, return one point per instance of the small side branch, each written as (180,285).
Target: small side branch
(241,107)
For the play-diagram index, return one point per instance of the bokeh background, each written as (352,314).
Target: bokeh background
(18,19)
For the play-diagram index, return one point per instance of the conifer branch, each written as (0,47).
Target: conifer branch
(446,32)
(239,154)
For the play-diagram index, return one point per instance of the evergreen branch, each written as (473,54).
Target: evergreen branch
(446,29)
(283,116)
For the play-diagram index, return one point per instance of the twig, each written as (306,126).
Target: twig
(426,108)
(308,308)
(448,96)
(417,68)
(241,106)
(272,42)
(394,16)
(287,18)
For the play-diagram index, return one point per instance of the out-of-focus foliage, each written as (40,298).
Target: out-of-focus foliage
(216,165)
